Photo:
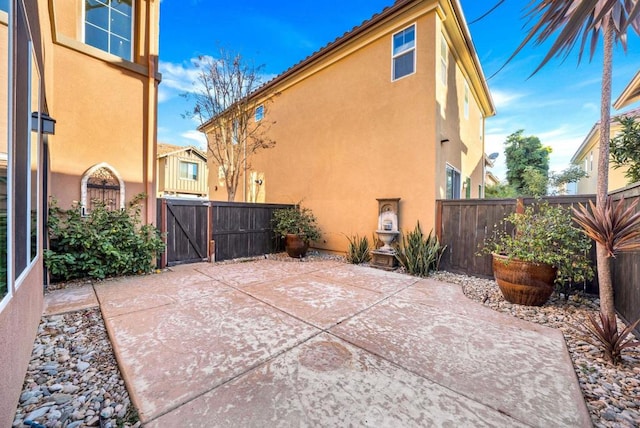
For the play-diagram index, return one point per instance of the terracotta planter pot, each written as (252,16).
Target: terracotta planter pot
(524,283)
(295,246)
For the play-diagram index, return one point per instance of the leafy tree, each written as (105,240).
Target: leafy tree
(625,148)
(587,20)
(500,191)
(572,174)
(525,154)
(228,115)
(535,182)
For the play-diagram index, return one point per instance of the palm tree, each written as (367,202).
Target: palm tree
(586,21)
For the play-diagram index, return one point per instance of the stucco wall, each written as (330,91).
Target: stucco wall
(346,134)
(18,327)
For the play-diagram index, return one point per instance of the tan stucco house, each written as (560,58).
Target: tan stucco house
(630,94)
(92,67)
(182,172)
(587,157)
(395,108)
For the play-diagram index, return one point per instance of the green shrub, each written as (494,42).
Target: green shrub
(419,254)
(296,221)
(105,243)
(544,233)
(359,249)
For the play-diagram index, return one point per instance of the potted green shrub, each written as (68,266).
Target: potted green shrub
(534,250)
(298,226)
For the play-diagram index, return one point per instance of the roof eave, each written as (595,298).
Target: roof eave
(630,94)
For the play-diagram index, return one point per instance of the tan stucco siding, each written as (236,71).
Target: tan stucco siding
(348,135)
(463,146)
(95,123)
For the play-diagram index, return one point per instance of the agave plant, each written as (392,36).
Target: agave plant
(607,336)
(616,229)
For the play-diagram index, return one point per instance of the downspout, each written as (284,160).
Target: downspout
(150,149)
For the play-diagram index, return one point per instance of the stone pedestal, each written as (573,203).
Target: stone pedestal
(383,260)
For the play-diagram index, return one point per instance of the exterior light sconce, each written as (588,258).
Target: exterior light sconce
(258,182)
(47,123)
(444,140)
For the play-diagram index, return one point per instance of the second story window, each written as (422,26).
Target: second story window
(108,25)
(259,113)
(466,100)
(404,52)
(188,170)
(444,60)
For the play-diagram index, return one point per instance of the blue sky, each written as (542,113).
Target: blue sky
(559,104)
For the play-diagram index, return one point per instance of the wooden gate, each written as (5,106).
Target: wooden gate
(185,226)
(243,229)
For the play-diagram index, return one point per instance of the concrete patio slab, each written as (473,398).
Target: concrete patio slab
(69,300)
(135,294)
(523,373)
(324,344)
(328,382)
(173,353)
(315,300)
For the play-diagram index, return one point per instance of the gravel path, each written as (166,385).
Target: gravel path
(73,379)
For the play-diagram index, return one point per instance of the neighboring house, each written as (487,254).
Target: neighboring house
(393,108)
(587,157)
(90,65)
(182,172)
(630,94)
(490,179)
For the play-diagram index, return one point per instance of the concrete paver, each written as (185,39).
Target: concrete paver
(69,300)
(328,344)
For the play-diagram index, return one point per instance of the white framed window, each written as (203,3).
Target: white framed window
(453,182)
(188,170)
(403,56)
(591,161)
(259,113)
(108,25)
(235,131)
(444,60)
(466,100)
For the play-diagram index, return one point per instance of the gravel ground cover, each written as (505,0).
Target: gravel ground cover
(73,379)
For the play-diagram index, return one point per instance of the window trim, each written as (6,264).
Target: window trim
(444,60)
(258,117)
(109,32)
(414,49)
(85,178)
(188,162)
(449,167)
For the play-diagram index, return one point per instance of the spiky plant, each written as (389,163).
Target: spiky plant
(611,225)
(616,229)
(359,249)
(607,336)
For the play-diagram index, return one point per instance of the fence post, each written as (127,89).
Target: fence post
(520,205)
(163,232)
(439,220)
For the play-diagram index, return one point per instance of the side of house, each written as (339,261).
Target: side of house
(587,157)
(91,66)
(24,89)
(182,172)
(103,62)
(394,108)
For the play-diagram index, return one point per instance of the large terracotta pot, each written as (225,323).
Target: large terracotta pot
(524,283)
(295,246)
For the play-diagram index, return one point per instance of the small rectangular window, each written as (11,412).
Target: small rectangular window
(259,113)
(188,170)
(466,100)
(591,161)
(453,183)
(444,60)
(404,52)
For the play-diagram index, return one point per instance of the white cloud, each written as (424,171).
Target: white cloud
(197,137)
(503,99)
(180,77)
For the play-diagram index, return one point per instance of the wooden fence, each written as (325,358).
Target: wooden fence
(197,230)
(243,229)
(463,224)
